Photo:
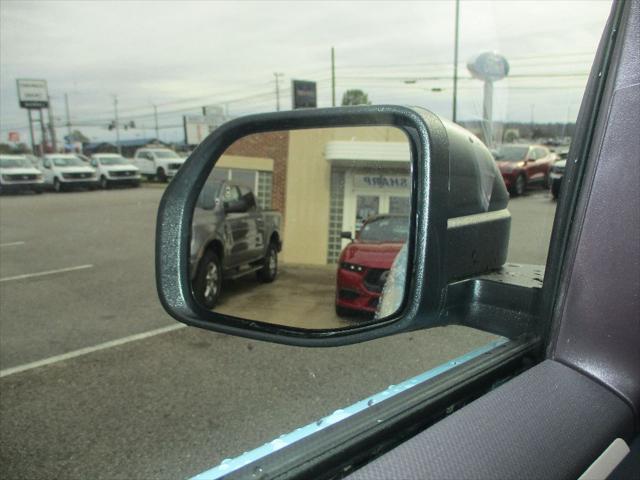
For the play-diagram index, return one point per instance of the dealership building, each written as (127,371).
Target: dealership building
(324,182)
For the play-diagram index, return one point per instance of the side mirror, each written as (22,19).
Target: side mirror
(236,206)
(346,235)
(448,223)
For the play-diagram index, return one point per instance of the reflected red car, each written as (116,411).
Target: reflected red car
(523,165)
(364,264)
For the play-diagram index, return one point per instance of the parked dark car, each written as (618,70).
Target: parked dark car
(231,237)
(524,165)
(364,264)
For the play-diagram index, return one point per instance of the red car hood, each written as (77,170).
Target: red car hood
(372,255)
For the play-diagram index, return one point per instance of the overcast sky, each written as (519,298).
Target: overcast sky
(183,55)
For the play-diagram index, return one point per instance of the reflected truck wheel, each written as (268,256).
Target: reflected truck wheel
(207,285)
(161,175)
(57,186)
(520,186)
(269,271)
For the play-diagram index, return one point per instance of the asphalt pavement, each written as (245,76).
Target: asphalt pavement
(76,272)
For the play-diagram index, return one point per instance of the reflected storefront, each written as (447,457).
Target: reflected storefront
(358,173)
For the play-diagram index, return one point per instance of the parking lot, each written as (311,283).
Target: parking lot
(98,381)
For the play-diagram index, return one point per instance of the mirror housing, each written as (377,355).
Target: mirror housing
(237,206)
(458,198)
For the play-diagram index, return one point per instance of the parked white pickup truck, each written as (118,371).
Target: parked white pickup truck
(64,171)
(17,173)
(159,163)
(113,169)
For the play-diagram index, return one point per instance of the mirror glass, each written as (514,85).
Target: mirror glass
(305,228)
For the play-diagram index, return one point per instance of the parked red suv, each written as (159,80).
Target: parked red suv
(364,264)
(523,165)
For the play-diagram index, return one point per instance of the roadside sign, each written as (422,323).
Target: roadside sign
(33,93)
(14,137)
(198,127)
(304,94)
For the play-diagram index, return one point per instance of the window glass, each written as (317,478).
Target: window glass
(247,195)
(15,162)
(220,174)
(168,154)
(230,193)
(87,352)
(512,153)
(244,178)
(67,161)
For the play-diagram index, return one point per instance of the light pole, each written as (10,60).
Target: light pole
(454,107)
(277,76)
(68,115)
(155,116)
(117,124)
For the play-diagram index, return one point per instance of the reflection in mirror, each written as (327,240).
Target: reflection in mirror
(305,228)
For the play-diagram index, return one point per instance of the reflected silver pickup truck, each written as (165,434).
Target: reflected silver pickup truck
(231,237)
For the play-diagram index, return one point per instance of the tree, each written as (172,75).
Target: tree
(76,137)
(511,135)
(355,97)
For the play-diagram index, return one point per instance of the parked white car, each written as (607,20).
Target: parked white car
(160,163)
(114,169)
(63,171)
(17,173)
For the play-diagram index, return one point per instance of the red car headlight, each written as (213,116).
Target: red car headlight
(352,267)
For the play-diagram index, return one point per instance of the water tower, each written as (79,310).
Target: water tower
(488,67)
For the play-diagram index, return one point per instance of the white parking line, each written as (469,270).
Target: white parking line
(84,351)
(48,272)
(11,244)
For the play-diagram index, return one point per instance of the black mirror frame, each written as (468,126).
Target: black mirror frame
(424,296)
(236,206)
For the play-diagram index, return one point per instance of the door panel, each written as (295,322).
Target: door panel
(531,427)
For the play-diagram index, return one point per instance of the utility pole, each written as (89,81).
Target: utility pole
(43,130)
(533,109)
(487,112)
(278,75)
(67,114)
(52,127)
(33,143)
(454,115)
(115,107)
(333,77)
(155,116)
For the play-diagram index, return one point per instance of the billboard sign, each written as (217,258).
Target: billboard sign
(198,127)
(304,94)
(33,93)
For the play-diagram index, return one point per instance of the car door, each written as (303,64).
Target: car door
(237,228)
(255,224)
(545,161)
(531,166)
(145,163)
(47,170)
(565,413)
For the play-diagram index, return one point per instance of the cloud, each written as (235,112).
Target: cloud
(216,52)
